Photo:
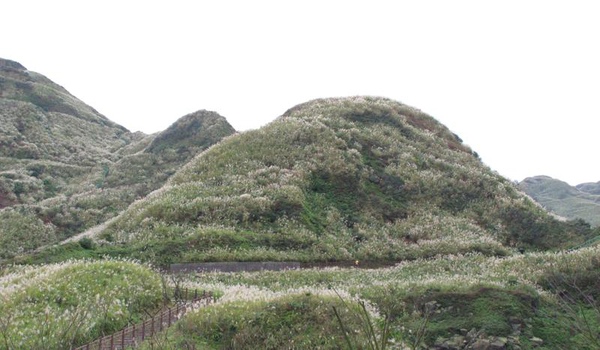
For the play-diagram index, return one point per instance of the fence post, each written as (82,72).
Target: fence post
(160,325)
(112,341)
(123,338)
(152,327)
(169,317)
(133,334)
(100,343)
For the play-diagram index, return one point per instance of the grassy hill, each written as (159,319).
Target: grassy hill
(47,136)
(65,168)
(572,202)
(361,179)
(337,179)
(589,187)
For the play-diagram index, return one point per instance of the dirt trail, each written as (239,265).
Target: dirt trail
(92,231)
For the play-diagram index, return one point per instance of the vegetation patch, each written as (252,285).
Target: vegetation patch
(297,321)
(58,306)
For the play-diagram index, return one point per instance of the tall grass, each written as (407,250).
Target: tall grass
(58,306)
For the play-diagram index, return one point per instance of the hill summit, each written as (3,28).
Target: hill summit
(42,120)
(64,167)
(338,179)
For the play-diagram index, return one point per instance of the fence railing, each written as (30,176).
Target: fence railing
(587,243)
(133,335)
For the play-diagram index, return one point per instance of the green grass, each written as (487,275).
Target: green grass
(72,168)
(354,179)
(57,306)
(492,297)
(297,321)
(487,294)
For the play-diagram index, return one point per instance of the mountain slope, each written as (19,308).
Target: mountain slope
(589,187)
(46,132)
(337,179)
(42,120)
(581,201)
(65,168)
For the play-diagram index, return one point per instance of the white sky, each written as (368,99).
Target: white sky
(518,81)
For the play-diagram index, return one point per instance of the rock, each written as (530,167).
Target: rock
(441,344)
(516,325)
(516,329)
(514,319)
(513,339)
(536,342)
(431,306)
(457,342)
(481,344)
(499,344)
(473,333)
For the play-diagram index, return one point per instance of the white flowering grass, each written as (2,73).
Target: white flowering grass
(368,178)
(291,320)
(246,298)
(57,306)
(450,272)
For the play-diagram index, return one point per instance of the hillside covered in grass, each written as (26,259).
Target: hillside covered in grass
(65,168)
(45,130)
(58,306)
(572,202)
(356,178)
(470,261)
(453,302)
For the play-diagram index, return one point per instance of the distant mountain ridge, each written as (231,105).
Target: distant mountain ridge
(572,202)
(589,187)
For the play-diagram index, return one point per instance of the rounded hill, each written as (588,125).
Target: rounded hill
(360,178)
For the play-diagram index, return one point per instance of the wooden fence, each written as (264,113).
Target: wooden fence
(132,336)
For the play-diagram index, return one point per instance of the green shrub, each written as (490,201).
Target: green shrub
(87,243)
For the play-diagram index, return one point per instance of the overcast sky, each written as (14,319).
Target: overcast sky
(518,81)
